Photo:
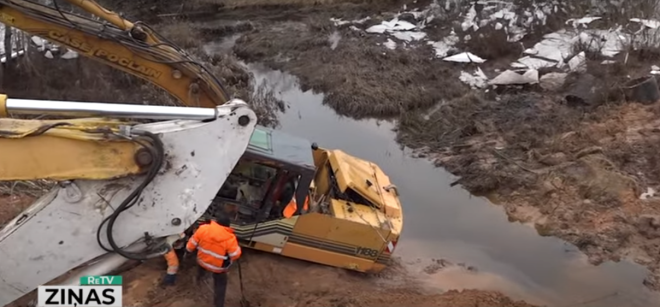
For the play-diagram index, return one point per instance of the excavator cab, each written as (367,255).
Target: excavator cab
(347,213)
(275,169)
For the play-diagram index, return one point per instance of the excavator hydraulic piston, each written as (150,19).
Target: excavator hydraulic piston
(13,107)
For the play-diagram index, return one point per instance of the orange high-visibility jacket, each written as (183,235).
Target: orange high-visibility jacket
(172,262)
(216,246)
(291,208)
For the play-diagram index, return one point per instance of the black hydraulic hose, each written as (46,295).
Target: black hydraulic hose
(157,151)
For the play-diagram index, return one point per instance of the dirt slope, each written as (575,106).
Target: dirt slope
(275,281)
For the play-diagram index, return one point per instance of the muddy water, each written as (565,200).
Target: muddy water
(442,222)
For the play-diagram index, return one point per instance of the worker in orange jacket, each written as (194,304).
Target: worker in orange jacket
(289,192)
(217,248)
(172,258)
(292,207)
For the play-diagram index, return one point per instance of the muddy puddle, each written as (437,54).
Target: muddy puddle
(443,222)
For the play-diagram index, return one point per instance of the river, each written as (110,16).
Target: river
(443,222)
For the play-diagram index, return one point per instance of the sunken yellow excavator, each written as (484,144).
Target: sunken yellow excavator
(126,189)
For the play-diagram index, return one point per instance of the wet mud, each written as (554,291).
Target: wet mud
(270,280)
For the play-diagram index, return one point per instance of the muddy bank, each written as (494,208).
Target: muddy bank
(276,281)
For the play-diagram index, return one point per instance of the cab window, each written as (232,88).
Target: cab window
(249,182)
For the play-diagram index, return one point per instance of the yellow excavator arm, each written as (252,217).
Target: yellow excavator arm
(134,48)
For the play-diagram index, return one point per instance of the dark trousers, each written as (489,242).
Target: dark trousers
(219,285)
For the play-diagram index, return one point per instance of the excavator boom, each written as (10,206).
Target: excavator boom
(168,174)
(134,48)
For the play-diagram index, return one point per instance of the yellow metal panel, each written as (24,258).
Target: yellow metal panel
(322,177)
(359,228)
(366,215)
(55,158)
(320,157)
(313,224)
(353,173)
(33,149)
(3,105)
(327,257)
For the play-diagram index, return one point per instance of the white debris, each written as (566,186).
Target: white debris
(409,36)
(379,29)
(578,62)
(532,75)
(341,22)
(39,42)
(476,80)
(68,55)
(442,47)
(464,57)
(390,44)
(655,70)
(363,20)
(554,47)
(48,54)
(533,63)
(650,192)
(391,26)
(509,77)
(584,21)
(649,23)
(469,20)
(558,46)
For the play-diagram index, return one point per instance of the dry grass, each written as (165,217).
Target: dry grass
(497,145)
(36,77)
(359,78)
(31,188)
(183,34)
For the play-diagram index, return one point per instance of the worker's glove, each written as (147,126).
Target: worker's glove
(169,279)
